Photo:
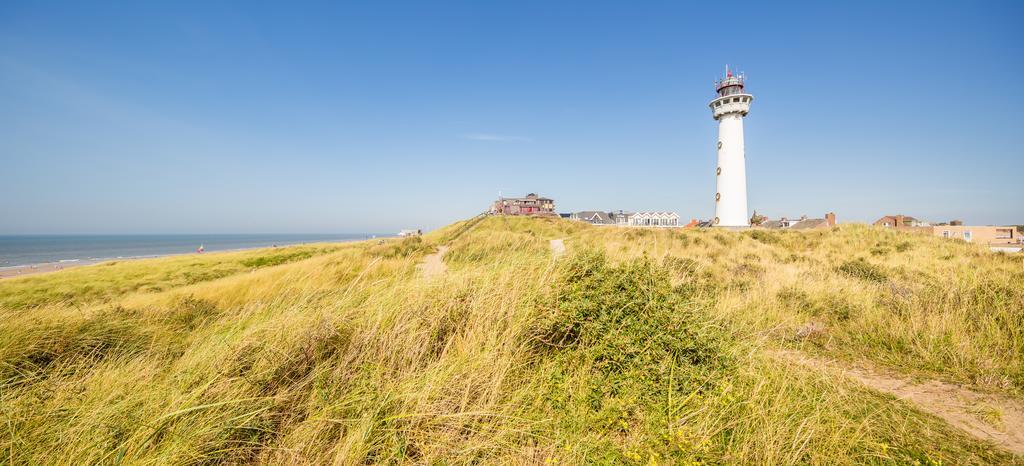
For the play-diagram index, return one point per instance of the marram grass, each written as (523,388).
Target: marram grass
(638,346)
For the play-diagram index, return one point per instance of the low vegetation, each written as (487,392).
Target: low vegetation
(638,346)
(109,280)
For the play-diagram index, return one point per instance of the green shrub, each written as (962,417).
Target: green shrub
(681,265)
(622,334)
(863,270)
(764,236)
(283,257)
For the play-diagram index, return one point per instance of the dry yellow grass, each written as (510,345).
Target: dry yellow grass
(636,346)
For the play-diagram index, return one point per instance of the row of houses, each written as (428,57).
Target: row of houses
(536,205)
(802,223)
(998,238)
(623,218)
(1001,238)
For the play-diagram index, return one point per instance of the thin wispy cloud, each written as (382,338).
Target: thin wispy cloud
(494,137)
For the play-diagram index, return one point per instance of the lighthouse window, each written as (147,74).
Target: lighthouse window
(718,171)
(718,196)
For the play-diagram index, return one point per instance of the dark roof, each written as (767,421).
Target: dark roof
(808,223)
(594,216)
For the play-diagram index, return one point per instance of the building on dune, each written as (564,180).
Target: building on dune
(532,204)
(654,219)
(630,219)
(899,221)
(802,223)
(593,217)
(621,217)
(997,238)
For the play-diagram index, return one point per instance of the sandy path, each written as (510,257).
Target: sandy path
(558,247)
(433,264)
(954,404)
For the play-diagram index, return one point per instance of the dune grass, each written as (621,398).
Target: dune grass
(638,346)
(111,279)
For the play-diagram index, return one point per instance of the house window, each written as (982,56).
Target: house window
(945,233)
(967,236)
(1004,233)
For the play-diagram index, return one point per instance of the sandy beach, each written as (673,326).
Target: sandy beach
(47,267)
(25,270)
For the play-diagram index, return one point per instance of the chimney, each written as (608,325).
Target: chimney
(830,218)
(899,221)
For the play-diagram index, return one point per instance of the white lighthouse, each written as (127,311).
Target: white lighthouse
(729,109)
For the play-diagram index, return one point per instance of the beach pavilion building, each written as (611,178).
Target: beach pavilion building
(654,219)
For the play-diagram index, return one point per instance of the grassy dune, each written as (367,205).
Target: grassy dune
(638,346)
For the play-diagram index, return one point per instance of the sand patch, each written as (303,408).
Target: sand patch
(433,264)
(558,247)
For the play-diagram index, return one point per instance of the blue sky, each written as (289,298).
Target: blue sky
(325,117)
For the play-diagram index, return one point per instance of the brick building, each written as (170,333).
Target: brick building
(532,204)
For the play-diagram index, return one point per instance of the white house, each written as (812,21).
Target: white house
(654,219)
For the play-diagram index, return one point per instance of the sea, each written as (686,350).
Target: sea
(20,250)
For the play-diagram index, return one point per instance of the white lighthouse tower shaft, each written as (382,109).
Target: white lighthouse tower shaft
(729,109)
